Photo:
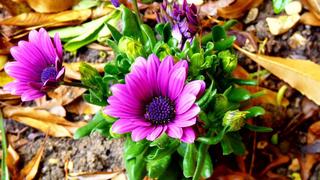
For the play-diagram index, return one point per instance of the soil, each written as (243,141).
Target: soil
(96,153)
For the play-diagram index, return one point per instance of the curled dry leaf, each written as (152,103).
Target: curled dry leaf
(308,18)
(50,6)
(238,8)
(71,17)
(30,170)
(66,94)
(210,8)
(15,8)
(72,69)
(95,175)
(313,5)
(42,120)
(303,75)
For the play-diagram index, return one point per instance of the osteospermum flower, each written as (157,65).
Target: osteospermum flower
(38,66)
(155,99)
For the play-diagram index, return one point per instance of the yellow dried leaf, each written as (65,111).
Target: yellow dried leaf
(303,75)
(12,160)
(31,169)
(72,69)
(3,61)
(310,19)
(4,78)
(81,107)
(66,94)
(94,175)
(49,6)
(313,5)
(238,8)
(71,17)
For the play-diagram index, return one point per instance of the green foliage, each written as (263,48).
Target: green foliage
(279,5)
(4,168)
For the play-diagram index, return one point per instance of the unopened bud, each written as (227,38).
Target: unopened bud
(131,47)
(234,120)
(229,60)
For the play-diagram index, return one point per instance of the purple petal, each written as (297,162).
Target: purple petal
(184,103)
(60,74)
(140,133)
(174,131)
(31,95)
(191,113)
(115,112)
(184,123)
(47,45)
(155,133)
(176,83)
(122,126)
(18,71)
(152,70)
(188,135)
(122,94)
(163,74)
(138,87)
(196,88)
(58,45)
(179,64)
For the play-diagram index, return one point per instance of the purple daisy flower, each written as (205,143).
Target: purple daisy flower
(38,66)
(156,99)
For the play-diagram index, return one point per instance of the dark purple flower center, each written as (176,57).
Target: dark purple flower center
(160,110)
(48,73)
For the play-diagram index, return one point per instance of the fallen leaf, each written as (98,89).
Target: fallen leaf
(30,170)
(3,61)
(4,78)
(5,45)
(12,161)
(50,6)
(72,69)
(308,18)
(283,159)
(281,24)
(94,175)
(302,75)
(42,120)
(238,8)
(211,7)
(313,5)
(64,95)
(71,17)
(81,107)
(15,8)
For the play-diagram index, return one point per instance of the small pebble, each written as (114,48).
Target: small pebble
(252,15)
(281,24)
(293,8)
(297,41)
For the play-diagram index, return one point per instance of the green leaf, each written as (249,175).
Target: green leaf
(97,120)
(168,150)
(258,128)
(133,149)
(189,160)
(136,168)
(218,33)
(90,98)
(238,94)
(131,27)
(164,30)
(231,143)
(158,167)
(207,169)
(246,82)
(196,62)
(254,112)
(206,95)
(279,5)
(227,25)
(161,142)
(224,44)
(148,36)
(4,168)
(86,4)
(215,139)
(110,68)
(114,32)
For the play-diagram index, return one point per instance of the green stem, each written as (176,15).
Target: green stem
(203,148)
(74,84)
(136,9)
(4,168)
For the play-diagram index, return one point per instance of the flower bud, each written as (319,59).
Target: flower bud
(234,120)
(229,61)
(131,47)
(88,74)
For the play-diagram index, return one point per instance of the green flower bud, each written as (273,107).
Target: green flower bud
(229,61)
(234,120)
(88,74)
(221,103)
(131,47)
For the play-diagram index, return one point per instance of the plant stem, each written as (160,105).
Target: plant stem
(74,84)
(136,9)
(4,168)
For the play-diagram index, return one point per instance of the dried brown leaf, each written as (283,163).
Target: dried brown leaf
(72,69)
(81,107)
(5,45)
(15,8)
(313,5)
(303,75)
(50,6)
(238,8)
(94,175)
(12,161)
(66,94)
(71,17)
(308,18)
(30,170)
(210,8)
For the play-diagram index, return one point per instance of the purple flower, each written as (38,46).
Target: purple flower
(116,3)
(38,66)
(155,99)
(184,20)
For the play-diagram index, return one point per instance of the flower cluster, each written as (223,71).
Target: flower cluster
(156,99)
(38,66)
(184,20)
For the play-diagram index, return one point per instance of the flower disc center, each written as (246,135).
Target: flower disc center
(48,73)
(160,110)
